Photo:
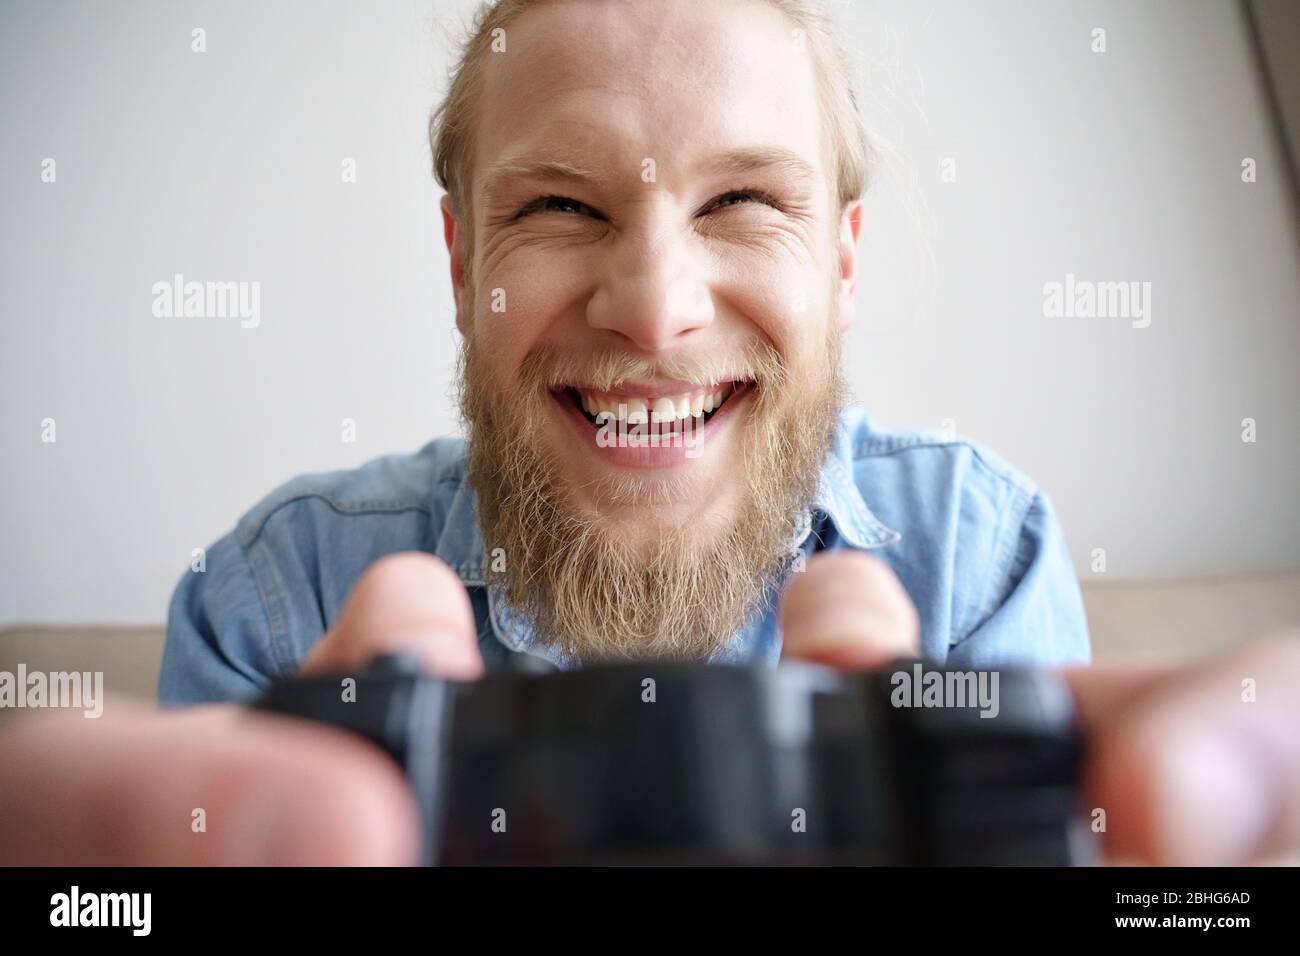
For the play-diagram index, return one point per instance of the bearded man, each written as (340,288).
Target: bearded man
(652,214)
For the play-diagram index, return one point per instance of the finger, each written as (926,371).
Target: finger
(1103,690)
(1200,766)
(847,609)
(404,603)
(209,786)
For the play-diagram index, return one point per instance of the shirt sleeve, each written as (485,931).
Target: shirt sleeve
(1037,616)
(218,645)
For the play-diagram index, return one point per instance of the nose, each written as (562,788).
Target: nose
(655,289)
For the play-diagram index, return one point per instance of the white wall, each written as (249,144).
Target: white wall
(226,165)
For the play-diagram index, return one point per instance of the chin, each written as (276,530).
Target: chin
(639,512)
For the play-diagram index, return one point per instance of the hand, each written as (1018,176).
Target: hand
(846,609)
(123,789)
(1187,771)
(1190,770)
(409,602)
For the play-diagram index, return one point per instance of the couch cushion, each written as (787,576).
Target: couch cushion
(130,657)
(1190,615)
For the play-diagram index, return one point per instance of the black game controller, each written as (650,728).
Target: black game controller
(716,764)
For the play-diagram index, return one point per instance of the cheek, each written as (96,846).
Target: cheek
(518,305)
(787,300)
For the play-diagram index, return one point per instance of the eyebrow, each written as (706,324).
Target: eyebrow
(734,162)
(752,159)
(549,169)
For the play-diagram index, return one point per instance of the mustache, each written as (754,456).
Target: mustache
(553,366)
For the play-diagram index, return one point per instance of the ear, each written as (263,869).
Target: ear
(455,237)
(847,250)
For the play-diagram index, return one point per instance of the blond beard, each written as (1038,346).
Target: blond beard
(589,588)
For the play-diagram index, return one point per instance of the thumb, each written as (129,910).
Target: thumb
(848,610)
(408,603)
(1200,764)
(208,786)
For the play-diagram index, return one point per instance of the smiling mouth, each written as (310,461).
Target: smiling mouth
(661,413)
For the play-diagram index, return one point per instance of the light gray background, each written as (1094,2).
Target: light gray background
(226,166)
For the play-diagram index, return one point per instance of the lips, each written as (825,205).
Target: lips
(625,430)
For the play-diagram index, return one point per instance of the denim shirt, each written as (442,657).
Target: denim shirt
(977,546)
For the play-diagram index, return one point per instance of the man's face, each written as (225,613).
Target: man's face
(653,230)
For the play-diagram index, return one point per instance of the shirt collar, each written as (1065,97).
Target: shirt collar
(838,498)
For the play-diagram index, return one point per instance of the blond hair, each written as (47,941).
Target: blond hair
(853,155)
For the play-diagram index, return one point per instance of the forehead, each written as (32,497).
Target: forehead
(607,84)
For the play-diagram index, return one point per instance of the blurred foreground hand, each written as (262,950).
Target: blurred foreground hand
(1194,763)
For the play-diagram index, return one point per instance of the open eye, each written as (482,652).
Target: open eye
(739,197)
(561,204)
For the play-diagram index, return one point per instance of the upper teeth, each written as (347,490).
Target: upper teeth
(665,408)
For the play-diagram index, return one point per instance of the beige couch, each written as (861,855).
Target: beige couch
(1184,616)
